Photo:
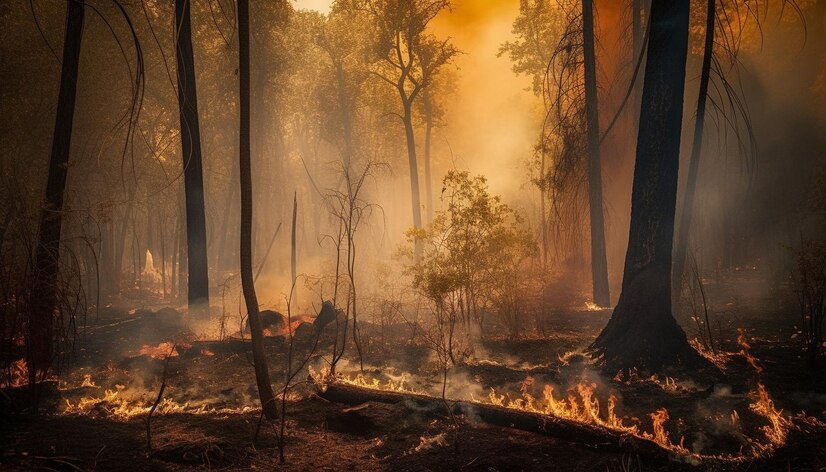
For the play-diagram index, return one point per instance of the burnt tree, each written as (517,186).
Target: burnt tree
(642,331)
(262,374)
(681,249)
(599,259)
(44,291)
(197,270)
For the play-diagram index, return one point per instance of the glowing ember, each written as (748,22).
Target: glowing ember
(745,351)
(87,381)
(19,375)
(162,350)
(591,306)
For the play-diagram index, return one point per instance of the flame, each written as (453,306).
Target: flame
(779,425)
(591,306)
(114,404)
(162,350)
(87,381)
(719,360)
(19,375)
(323,378)
(745,351)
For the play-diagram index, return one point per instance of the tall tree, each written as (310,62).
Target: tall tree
(694,161)
(44,293)
(198,272)
(262,374)
(642,331)
(599,259)
(409,59)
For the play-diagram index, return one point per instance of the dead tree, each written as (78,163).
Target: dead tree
(262,374)
(44,292)
(599,259)
(197,273)
(642,331)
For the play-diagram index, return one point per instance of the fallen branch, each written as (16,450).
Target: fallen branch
(590,435)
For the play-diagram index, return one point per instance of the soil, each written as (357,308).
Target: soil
(211,419)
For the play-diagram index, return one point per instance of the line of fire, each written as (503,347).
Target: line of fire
(416,235)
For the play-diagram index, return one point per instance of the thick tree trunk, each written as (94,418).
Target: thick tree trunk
(683,229)
(197,273)
(262,374)
(642,331)
(599,261)
(44,294)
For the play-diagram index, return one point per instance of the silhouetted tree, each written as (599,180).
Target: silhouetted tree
(642,331)
(599,259)
(44,293)
(198,275)
(262,375)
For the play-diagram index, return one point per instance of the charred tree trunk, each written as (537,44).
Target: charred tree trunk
(262,374)
(684,227)
(197,273)
(599,261)
(44,293)
(642,331)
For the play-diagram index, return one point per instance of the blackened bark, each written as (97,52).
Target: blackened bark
(197,274)
(262,374)
(642,331)
(694,163)
(599,261)
(44,294)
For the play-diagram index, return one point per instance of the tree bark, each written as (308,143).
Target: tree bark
(642,331)
(262,374)
(599,261)
(694,163)
(44,293)
(428,131)
(197,274)
(414,173)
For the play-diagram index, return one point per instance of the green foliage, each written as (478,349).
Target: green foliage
(474,247)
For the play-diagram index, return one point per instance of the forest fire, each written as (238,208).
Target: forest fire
(413,235)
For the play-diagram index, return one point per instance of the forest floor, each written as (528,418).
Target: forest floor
(95,417)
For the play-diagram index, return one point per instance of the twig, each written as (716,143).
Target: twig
(157,401)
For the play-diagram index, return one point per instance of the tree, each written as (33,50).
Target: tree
(198,275)
(473,249)
(408,61)
(697,145)
(599,259)
(262,375)
(642,331)
(44,292)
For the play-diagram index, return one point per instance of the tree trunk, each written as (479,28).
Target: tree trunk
(599,262)
(197,273)
(262,374)
(428,131)
(642,331)
(684,227)
(414,173)
(44,294)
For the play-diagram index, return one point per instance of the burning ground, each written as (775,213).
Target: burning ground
(523,404)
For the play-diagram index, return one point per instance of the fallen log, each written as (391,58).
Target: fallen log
(591,435)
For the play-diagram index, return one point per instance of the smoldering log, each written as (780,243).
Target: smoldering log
(590,435)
